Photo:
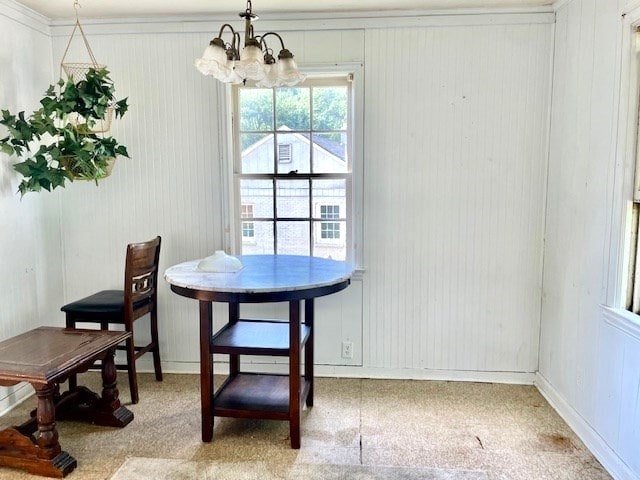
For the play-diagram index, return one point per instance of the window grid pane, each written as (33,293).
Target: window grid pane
(287,119)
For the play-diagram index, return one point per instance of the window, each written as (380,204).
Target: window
(633,281)
(632,302)
(246,211)
(330,230)
(284,152)
(293,166)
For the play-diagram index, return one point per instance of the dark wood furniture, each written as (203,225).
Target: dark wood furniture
(264,278)
(45,357)
(124,307)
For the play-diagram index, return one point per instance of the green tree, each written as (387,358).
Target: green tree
(256,109)
(330,108)
(292,110)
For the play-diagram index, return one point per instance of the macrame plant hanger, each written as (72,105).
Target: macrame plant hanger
(77,71)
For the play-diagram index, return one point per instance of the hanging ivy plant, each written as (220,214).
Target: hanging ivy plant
(59,141)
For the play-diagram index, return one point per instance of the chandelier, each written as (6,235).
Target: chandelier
(229,64)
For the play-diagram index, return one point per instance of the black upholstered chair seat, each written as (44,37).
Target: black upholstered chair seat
(106,302)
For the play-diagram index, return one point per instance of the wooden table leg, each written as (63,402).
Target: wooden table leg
(294,373)
(44,456)
(109,411)
(308,349)
(234,359)
(206,370)
(86,406)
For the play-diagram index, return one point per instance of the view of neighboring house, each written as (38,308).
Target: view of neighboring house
(314,209)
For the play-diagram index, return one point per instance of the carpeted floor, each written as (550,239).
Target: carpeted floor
(164,469)
(358,429)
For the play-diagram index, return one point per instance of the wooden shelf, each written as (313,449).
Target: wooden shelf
(255,395)
(260,395)
(256,337)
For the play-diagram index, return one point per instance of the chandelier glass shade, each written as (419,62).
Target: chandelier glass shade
(228,63)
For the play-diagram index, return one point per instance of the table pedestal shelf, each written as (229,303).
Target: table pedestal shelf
(256,395)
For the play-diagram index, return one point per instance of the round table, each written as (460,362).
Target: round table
(262,279)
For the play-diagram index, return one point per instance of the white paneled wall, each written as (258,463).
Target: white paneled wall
(169,187)
(172,185)
(457,205)
(30,255)
(454,153)
(455,165)
(589,368)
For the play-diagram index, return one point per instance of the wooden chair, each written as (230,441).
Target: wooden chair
(124,307)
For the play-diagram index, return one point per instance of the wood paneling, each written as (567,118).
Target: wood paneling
(591,367)
(172,185)
(455,165)
(454,156)
(29,236)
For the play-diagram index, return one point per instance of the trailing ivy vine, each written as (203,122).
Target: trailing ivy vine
(57,142)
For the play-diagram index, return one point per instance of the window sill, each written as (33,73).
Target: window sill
(623,320)
(358,274)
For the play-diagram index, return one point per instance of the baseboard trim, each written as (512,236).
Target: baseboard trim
(15,396)
(594,442)
(351,371)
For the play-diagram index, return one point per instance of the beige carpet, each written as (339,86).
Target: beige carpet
(357,429)
(165,469)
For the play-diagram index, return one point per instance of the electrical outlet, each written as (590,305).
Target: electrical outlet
(347,349)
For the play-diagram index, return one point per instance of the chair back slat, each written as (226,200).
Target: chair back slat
(141,272)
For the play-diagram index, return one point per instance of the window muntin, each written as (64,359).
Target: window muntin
(314,119)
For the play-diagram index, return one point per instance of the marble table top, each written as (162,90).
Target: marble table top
(263,274)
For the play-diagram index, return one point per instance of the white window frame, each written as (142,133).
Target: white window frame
(230,191)
(621,185)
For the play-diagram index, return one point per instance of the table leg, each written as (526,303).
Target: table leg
(308,349)
(234,359)
(294,373)
(206,369)
(85,405)
(44,456)
(47,436)
(109,411)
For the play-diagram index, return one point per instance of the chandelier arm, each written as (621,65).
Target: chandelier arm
(222,30)
(263,42)
(236,45)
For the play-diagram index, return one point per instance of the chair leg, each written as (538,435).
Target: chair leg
(131,370)
(73,379)
(157,367)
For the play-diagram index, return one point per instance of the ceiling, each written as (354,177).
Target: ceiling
(64,9)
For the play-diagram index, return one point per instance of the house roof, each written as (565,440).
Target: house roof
(335,149)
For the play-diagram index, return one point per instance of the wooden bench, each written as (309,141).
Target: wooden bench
(46,357)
